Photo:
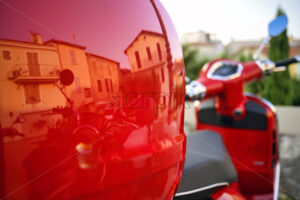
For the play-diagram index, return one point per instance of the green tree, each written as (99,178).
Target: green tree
(278,87)
(192,62)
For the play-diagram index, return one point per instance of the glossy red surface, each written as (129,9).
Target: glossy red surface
(250,150)
(116,132)
(229,92)
(228,193)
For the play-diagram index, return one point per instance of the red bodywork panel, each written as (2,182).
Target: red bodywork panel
(120,135)
(251,152)
(230,192)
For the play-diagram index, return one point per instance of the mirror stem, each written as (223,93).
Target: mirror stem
(61,90)
(262,45)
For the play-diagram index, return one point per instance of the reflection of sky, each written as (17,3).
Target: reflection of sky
(105,30)
(238,19)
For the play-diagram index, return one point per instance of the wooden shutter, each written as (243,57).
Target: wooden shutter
(138,60)
(99,85)
(159,51)
(33,64)
(32,93)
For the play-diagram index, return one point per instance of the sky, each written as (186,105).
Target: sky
(231,19)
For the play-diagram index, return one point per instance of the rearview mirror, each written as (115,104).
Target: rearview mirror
(66,77)
(278,25)
(187,80)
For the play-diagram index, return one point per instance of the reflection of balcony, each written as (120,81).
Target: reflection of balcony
(42,73)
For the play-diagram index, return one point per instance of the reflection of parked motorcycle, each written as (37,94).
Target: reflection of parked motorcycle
(234,152)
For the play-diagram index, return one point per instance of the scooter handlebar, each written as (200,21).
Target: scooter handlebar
(288,61)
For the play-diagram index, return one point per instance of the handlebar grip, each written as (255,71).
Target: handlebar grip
(286,62)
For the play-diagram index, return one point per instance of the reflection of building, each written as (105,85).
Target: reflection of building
(104,77)
(235,48)
(153,51)
(28,71)
(73,57)
(148,61)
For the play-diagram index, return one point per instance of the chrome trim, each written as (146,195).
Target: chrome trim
(266,102)
(266,66)
(201,189)
(276,182)
(195,90)
(217,65)
(261,46)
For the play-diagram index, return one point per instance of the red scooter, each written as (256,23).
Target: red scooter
(234,152)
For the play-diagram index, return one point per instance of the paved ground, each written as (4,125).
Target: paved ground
(289,144)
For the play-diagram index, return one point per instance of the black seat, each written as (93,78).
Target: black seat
(208,166)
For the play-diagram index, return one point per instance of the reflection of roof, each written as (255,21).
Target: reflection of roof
(142,32)
(24,42)
(65,43)
(101,57)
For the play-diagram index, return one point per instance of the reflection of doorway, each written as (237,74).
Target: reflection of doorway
(33,64)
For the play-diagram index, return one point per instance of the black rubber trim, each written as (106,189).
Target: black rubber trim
(255,117)
(286,62)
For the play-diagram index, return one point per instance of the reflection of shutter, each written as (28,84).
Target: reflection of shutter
(78,86)
(32,93)
(106,85)
(6,55)
(33,64)
(99,85)
(159,51)
(149,53)
(111,86)
(87,92)
(162,74)
(73,58)
(138,60)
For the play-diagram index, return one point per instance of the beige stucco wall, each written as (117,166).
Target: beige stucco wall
(143,41)
(101,69)
(80,71)
(12,98)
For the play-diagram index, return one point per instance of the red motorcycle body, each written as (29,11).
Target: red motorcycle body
(247,124)
(119,135)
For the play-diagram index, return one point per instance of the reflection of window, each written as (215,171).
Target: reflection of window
(159,51)
(149,53)
(87,92)
(138,60)
(108,85)
(6,55)
(162,74)
(111,86)
(78,86)
(99,85)
(73,58)
(32,93)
